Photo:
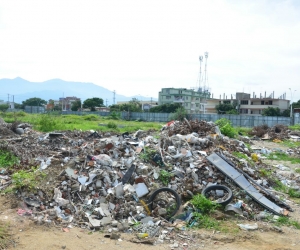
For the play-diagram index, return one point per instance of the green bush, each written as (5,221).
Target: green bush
(91,118)
(226,127)
(203,204)
(46,123)
(27,179)
(112,125)
(115,115)
(7,159)
(179,115)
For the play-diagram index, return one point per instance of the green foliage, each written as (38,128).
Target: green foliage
(7,159)
(226,127)
(291,144)
(243,131)
(281,156)
(164,177)
(165,108)
(147,154)
(27,179)
(3,107)
(203,204)
(270,111)
(295,127)
(92,103)
(179,114)
(114,115)
(132,106)
(76,105)
(286,221)
(285,113)
(297,170)
(46,123)
(224,108)
(207,222)
(35,101)
(112,125)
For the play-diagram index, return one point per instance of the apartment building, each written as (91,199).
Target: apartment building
(193,101)
(255,105)
(196,102)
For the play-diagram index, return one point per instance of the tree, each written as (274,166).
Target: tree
(286,113)
(223,108)
(132,106)
(76,105)
(93,102)
(179,114)
(35,101)
(270,111)
(3,107)
(165,108)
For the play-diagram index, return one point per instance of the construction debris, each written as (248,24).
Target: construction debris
(135,183)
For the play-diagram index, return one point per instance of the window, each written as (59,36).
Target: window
(197,105)
(262,102)
(251,103)
(270,102)
(244,102)
(168,97)
(168,91)
(180,91)
(197,98)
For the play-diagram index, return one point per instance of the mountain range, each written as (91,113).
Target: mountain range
(19,90)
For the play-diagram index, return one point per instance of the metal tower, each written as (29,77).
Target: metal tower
(205,72)
(200,74)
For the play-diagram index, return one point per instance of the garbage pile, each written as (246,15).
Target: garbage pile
(137,182)
(277,132)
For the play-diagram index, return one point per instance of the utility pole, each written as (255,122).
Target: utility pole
(106,102)
(114,96)
(7,99)
(292,93)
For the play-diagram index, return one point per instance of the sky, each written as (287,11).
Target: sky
(138,47)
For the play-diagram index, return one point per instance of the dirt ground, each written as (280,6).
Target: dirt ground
(28,235)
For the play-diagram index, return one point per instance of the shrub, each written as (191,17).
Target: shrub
(226,127)
(112,125)
(179,115)
(115,115)
(7,159)
(91,117)
(46,123)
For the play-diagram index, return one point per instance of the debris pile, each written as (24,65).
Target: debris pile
(137,182)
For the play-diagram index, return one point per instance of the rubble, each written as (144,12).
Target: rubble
(136,183)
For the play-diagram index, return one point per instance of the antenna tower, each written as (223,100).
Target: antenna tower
(200,72)
(205,72)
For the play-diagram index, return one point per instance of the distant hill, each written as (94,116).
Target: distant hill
(22,89)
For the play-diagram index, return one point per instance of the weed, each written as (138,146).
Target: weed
(115,115)
(203,204)
(147,154)
(243,131)
(293,193)
(46,123)
(112,125)
(226,127)
(204,221)
(297,170)
(29,179)
(164,177)
(291,144)
(280,156)
(179,114)
(286,221)
(240,155)
(7,159)
(265,173)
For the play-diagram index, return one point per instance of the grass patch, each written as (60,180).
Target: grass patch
(286,221)
(291,144)
(266,173)
(27,179)
(295,127)
(279,156)
(5,236)
(243,131)
(240,155)
(7,159)
(297,170)
(51,122)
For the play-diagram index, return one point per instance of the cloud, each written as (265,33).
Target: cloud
(138,47)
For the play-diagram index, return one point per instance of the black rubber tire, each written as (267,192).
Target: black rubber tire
(219,187)
(161,190)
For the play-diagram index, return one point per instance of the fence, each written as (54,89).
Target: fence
(237,120)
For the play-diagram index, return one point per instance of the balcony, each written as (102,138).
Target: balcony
(178,100)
